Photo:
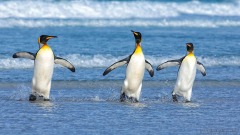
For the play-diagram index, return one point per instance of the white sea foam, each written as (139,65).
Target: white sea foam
(117,13)
(83,9)
(11,63)
(87,61)
(113,9)
(8,23)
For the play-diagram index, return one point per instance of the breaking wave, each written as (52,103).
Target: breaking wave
(114,9)
(87,61)
(9,23)
(118,13)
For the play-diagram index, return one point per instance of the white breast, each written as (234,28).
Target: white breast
(135,71)
(43,70)
(186,73)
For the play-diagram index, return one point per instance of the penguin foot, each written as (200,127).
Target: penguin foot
(32,97)
(45,99)
(187,101)
(122,97)
(174,98)
(133,100)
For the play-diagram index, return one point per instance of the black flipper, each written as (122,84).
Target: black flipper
(201,68)
(64,63)
(116,64)
(27,55)
(149,68)
(170,63)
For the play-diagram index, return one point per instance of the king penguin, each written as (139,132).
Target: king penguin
(186,73)
(136,65)
(44,61)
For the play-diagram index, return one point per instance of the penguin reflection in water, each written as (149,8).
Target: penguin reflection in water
(136,65)
(186,73)
(44,61)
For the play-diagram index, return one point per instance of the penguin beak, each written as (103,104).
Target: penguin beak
(49,37)
(134,32)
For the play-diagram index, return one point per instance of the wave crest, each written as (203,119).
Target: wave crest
(87,61)
(9,23)
(114,9)
(118,13)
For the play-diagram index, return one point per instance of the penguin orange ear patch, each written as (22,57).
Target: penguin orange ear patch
(38,40)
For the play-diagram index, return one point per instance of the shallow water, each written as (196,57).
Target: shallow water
(90,109)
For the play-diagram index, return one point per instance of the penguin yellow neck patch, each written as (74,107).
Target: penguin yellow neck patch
(45,47)
(191,54)
(138,49)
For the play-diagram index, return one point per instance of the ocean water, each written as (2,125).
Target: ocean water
(94,34)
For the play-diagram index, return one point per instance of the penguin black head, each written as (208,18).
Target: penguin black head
(138,36)
(190,47)
(44,38)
